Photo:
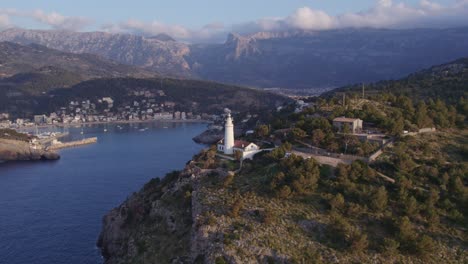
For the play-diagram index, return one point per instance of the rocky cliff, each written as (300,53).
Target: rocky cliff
(16,150)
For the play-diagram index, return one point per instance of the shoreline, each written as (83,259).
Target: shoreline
(119,122)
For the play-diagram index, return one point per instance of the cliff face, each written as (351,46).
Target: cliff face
(15,150)
(165,222)
(153,225)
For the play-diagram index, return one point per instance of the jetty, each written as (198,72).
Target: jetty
(46,139)
(60,145)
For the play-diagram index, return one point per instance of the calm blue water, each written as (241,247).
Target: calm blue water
(50,212)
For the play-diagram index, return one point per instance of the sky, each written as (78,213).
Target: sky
(211,20)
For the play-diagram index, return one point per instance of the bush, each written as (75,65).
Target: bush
(228,180)
(425,246)
(337,202)
(221,260)
(236,208)
(284,192)
(390,247)
(267,217)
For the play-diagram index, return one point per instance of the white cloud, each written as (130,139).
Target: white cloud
(310,19)
(384,14)
(58,21)
(4,21)
(208,32)
(52,19)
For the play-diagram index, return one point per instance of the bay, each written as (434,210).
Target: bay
(51,212)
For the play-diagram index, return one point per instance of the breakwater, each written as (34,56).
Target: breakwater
(60,145)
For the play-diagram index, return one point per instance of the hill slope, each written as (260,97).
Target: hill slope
(187,95)
(34,68)
(448,81)
(158,53)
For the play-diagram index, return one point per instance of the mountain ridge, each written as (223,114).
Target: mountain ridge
(287,59)
(35,68)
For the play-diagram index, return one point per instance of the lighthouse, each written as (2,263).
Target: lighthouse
(229,136)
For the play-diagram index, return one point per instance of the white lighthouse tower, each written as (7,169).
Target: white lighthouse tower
(229,136)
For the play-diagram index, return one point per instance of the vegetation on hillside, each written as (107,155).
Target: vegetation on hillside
(301,212)
(189,95)
(447,82)
(13,134)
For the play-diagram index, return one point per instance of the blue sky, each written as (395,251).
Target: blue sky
(210,19)
(189,13)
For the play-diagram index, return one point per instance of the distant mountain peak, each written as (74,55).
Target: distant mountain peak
(162,37)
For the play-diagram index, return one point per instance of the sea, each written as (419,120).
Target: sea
(51,211)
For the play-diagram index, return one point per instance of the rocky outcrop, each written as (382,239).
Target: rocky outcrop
(153,225)
(15,150)
(209,136)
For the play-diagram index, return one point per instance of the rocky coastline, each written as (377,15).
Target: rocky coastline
(16,150)
(165,222)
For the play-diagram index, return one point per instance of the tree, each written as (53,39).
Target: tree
(390,247)
(358,242)
(412,207)
(317,137)
(276,154)
(337,202)
(296,133)
(379,199)
(286,146)
(284,192)
(406,233)
(262,131)
(421,118)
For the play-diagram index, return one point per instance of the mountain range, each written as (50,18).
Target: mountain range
(289,59)
(34,68)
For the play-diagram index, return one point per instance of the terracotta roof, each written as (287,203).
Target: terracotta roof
(241,144)
(345,119)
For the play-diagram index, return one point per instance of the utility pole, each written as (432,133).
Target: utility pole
(363,92)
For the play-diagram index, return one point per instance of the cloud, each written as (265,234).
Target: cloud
(383,14)
(211,32)
(58,21)
(4,21)
(310,19)
(52,19)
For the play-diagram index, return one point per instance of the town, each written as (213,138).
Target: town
(103,110)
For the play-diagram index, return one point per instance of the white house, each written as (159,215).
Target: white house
(354,124)
(229,146)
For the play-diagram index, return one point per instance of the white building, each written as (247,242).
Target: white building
(229,146)
(354,124)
